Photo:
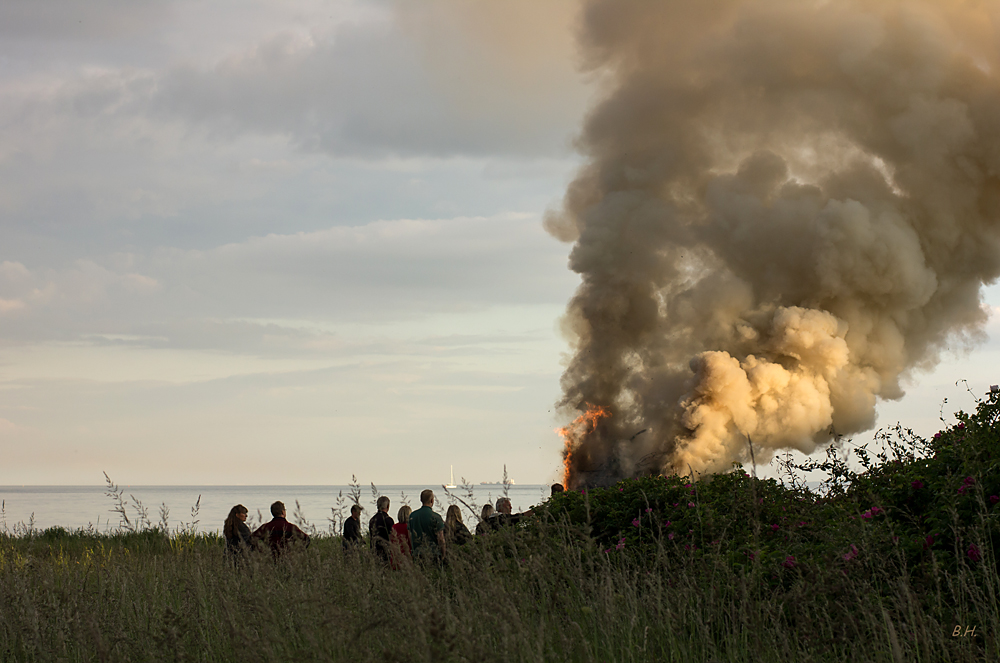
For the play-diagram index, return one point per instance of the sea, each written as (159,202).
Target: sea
(204,508)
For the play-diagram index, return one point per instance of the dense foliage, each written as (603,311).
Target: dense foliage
(929,503)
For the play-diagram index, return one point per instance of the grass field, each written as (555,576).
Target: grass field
(540,595)
(896,563)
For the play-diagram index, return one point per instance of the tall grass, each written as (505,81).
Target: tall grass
(885,565)
(548,593)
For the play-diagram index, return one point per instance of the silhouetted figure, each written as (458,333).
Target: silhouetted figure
(427,530)
(485,526)
(400,547)
(503,516)
(380,529)
(352,529)
(556,488)
(456,533)
(236,533)
(278,533)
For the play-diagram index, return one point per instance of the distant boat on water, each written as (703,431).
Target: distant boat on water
(451,484)
(495,483)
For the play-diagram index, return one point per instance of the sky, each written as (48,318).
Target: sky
(287,243)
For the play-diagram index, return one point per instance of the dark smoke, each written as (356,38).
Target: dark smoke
(787,207)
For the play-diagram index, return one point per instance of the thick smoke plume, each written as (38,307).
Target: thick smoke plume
(787,206)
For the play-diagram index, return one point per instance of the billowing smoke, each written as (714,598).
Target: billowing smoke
(787,206)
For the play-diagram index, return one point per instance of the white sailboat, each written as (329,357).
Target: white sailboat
(451,484)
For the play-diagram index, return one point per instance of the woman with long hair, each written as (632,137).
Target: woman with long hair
(485,526)
(455,530)
(235,531)
(400,547)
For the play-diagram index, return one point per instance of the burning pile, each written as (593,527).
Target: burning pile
(787,207)
(584,426)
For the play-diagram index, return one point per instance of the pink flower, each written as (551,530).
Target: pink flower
(775,527)
(969,481)
(802,523)
(962,489)
(917,485)
(621,490)
(621,544)
(667,524)
(649,509)
(960,426)
(670,536)
(789,562)
(928,541)
(994,499)
(690,505)
(973,553)
(635,522)
(675,503)
(937,436)
(691,492)
(851,554)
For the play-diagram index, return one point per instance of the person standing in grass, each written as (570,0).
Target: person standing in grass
(352,529)
(503,516)
(236,532)
(380,529)
(427,530)
(399,540)
(278,533)
(485,525)
(456,533)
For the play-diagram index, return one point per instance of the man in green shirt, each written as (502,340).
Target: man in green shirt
(427,530)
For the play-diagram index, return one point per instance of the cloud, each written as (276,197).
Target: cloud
(378,273)
(440,80)
(67,19)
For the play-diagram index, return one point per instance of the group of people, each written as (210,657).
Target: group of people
(420,534)
(275,534)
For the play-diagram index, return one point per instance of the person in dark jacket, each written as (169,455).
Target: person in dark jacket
(278,533)
(503,516)
(352,529)
(380,529)
(455,531)
(485,525)
(236,532)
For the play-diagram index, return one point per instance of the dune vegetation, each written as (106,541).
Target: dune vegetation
(892,561)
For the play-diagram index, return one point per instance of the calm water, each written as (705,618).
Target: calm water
(74,507)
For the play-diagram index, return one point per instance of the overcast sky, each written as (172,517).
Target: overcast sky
(249,242)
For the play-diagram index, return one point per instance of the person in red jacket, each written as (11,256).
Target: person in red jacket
(278,533)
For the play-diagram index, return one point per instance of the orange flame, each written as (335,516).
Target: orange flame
(582,426)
